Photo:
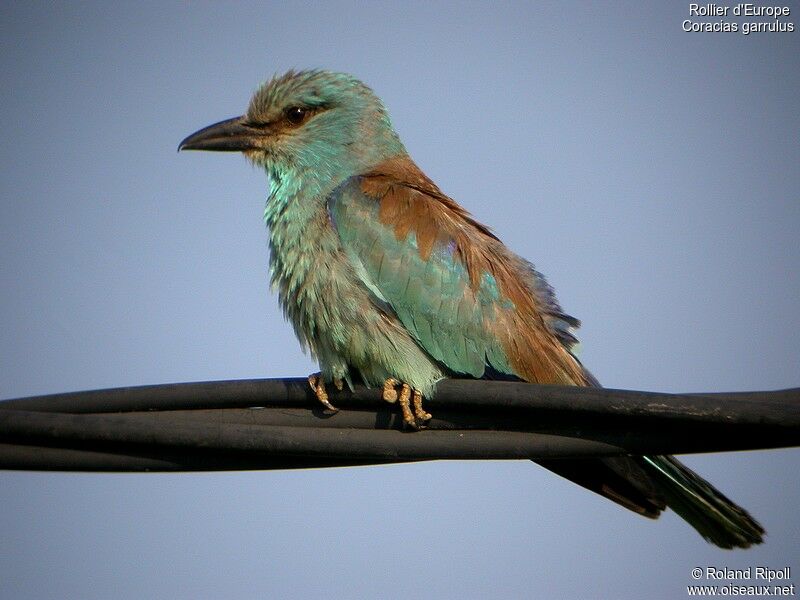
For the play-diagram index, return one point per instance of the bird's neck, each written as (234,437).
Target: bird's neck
(296,212)
(295,199)
(299,232)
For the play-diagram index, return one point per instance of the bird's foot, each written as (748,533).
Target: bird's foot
(317,384)
(408,398)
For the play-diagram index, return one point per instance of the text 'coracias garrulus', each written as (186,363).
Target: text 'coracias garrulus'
(386,278)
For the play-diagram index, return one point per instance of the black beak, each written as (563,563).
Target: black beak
(230,135)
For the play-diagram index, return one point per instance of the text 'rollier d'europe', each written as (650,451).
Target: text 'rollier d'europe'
(771,18)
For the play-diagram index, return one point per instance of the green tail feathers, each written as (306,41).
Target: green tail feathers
(716,518)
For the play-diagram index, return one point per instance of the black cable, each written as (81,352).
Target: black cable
(197,426)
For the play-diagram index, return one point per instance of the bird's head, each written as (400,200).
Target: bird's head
(309,122)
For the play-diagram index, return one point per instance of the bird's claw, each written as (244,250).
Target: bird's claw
(317,384)
(419,412)
(389,391)
(407,398)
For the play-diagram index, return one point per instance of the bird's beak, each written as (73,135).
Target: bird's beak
(230,135)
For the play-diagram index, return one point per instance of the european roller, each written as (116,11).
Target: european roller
(388,280)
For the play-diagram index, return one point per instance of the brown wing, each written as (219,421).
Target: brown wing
(534,333)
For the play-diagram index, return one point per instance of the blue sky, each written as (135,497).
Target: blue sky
(650,173)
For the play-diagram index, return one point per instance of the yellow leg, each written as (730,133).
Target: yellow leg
(318,385)
(389,393)
(419,412)
(407,398)
(405,402)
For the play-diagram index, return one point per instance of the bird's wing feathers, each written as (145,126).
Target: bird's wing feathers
(465,297)
(471,304)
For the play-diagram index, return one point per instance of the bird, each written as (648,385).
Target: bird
(387,280)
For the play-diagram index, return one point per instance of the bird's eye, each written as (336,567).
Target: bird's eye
(296,114)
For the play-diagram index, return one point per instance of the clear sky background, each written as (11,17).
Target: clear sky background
(651,173)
